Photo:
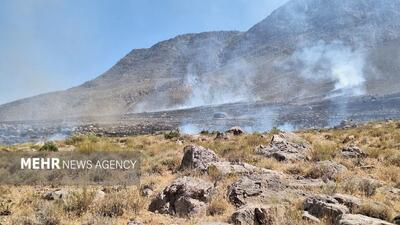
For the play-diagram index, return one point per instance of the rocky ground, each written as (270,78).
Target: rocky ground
(343,176)
(253,117)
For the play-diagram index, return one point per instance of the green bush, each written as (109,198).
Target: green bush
(172,134)
(275,130)
(49,147)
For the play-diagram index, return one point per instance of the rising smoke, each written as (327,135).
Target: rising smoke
(230,85)
(334,62)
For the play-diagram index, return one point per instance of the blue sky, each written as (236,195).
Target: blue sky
(48,45)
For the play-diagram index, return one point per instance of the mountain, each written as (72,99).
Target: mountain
(306,49)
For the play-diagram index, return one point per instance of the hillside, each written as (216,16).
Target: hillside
(304,49)
(327,177)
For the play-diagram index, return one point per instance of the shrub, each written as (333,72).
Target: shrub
(375,210)
(214,173)
(78,202)
(48,215)
(275,130)
(395,159)
(49,147)
(172,134)
(323,150)
(367,187)
(115,204)
(218,207)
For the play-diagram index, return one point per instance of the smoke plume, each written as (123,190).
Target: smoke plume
(333,62)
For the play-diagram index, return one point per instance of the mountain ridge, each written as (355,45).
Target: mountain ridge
(226,66)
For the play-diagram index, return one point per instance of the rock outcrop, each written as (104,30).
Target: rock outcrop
(356,219)
(351,202)
(185,197)
(352,151)
(260,188)
(327,170)
(322,206)
(285,147)
(254,215)
(197,157)
(235,131)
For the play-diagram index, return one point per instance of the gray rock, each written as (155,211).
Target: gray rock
(147,189)
(197,157)
(186,196)
(135,223)
(55,194)
(396,220)
(213,223)
(225,167)
(285,147)
(352,151)
(236,131)
(99,194)
(322,206)
(348,200)
(187,206)
(222,136)
(356,219)
(307,216)
(253,215)
(259,188)
(327,170)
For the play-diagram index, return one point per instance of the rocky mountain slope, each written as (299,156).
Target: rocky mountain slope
(306,49)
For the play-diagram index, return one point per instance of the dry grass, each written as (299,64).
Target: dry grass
(162,156)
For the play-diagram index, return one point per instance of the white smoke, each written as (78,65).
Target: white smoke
(335,62)
(229,85)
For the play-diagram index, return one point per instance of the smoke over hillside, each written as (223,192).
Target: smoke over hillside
(306,50)
(334,62)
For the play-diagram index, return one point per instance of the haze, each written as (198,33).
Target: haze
(54,45)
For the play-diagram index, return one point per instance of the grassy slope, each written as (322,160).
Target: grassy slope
(381,141)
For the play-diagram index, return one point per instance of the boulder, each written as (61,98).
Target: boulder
(356,219)
(327,170)
(197,157)
(285,147)
(185,197)
(225,167)
(351,202)
(55,194)
(147,190)
(259,188)
(235,131)
(352,151)
(323,206)
(187,206)
(254,215)
(222,136)
(396,220)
